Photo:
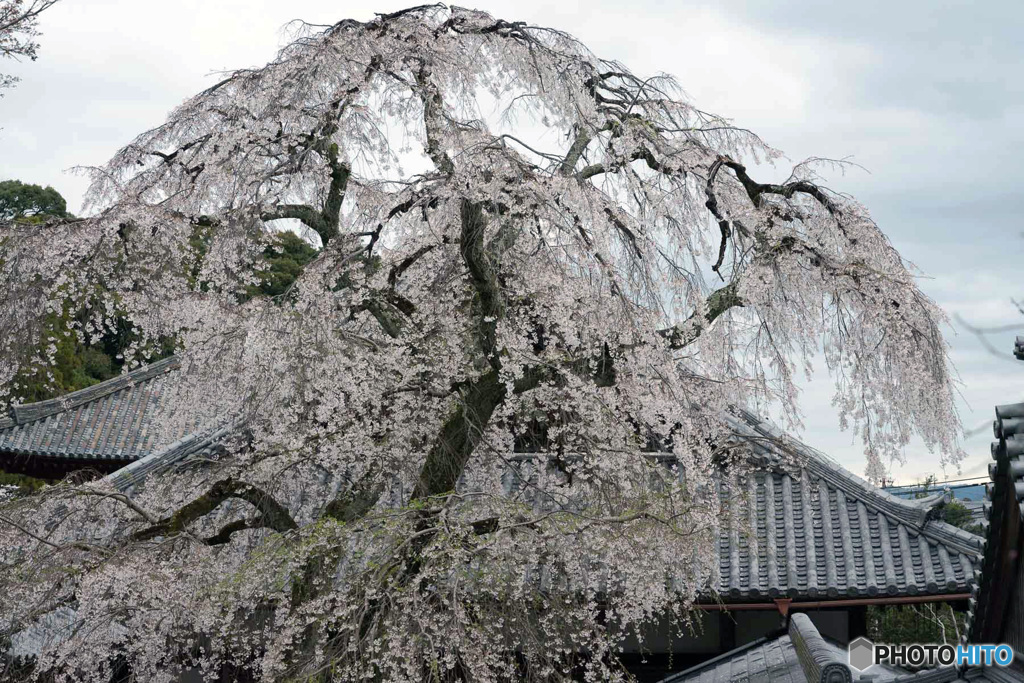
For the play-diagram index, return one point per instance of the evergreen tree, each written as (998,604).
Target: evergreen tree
(26,202)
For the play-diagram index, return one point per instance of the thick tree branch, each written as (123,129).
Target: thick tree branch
(624,230)
(433,113)
(326,221)
(482,274)
(583,138)
(303,212)
(228,530)
(461,432)
(273,514)
(755,189)
(340,173)
(712,205)
(459,437)
(398,269)
(357,501)
(168,158)
(721,300)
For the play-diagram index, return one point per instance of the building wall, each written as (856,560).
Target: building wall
(754,624)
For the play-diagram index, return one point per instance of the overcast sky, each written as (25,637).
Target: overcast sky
(926,95)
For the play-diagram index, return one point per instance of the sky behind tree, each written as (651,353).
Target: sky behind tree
(925,97)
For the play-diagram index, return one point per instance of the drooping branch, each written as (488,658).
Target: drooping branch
(712,206)
(78,545)
(755,190)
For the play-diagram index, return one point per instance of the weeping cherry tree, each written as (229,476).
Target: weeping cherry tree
(475,438)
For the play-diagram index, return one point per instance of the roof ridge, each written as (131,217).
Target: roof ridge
(31,412)
(681,675)
(136,472)
(817,659)
(915,513)
(963,540)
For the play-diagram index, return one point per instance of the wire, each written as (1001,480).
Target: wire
(934,484)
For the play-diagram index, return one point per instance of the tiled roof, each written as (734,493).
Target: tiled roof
(207,443)
(800,655)
(997,605)
(806,528)
(764,660)
(108,421)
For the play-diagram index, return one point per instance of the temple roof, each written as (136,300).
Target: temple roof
(109,424)
(997,604)
(798,655)
(806,528)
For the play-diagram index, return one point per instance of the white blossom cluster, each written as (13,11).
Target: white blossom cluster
(446,467)
(7,492)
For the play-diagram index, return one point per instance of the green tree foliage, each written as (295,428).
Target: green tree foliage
(24,484)
(23,201)
(285,258)
(80,363)
(76,363)
(952,511)
(956,513)
(927,623)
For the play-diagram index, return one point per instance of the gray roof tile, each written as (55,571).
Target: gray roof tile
(997,603)
(805,528)
(800,655)
(107,421)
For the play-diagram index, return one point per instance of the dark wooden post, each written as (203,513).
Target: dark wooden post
(857,622)
(726,631)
